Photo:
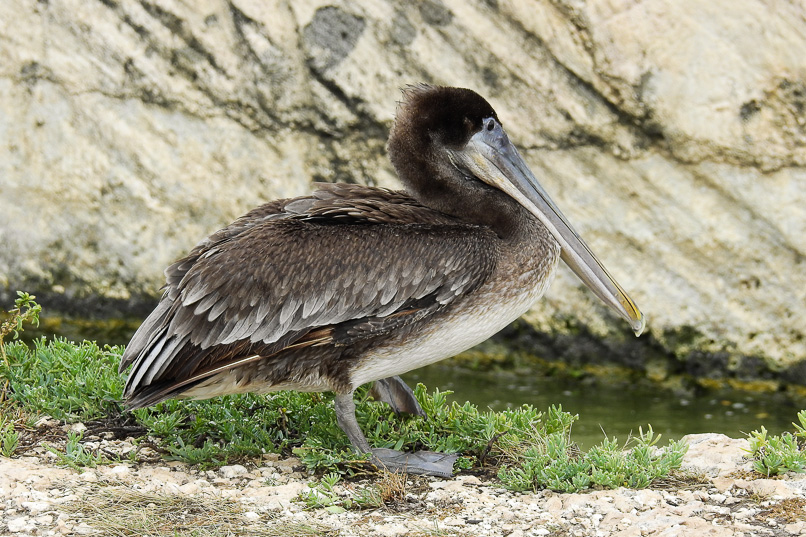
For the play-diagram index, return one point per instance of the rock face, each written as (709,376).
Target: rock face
(672,134)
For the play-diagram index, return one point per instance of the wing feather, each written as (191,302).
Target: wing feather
(285,270)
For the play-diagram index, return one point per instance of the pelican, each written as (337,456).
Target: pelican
(354,284)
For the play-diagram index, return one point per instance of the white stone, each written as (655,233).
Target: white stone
(36,507)
(44,520)
(234,470)
(89,476)
(83,528)
(120,470)
(16,525)
(189,488)
(716,454)
(77,428)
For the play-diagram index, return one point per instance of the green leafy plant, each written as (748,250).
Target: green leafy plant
(75,454)
(25,310)
(68,381)
(207,455)
(324,495)
(9,438)
(774,455)
(551,463)
(800,427)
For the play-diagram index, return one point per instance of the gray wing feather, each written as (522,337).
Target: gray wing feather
(162,361)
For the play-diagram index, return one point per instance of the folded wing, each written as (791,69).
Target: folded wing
(286,274)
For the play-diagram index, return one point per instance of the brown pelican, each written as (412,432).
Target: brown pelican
(354,284)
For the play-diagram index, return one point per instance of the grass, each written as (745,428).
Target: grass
(123,512)
(786,511)
(530,449)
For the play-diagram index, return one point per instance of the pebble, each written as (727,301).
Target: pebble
(33,489)
(120,470)
(16,525)
(236,470)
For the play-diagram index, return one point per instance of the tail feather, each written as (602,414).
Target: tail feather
(156,393)
(145,334)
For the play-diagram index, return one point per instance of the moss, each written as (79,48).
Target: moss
(111,331)
(681,357)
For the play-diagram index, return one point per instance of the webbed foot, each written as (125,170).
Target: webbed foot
(419,462)
(397,394)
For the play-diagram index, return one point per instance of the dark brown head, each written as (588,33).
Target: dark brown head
(452,154)
(430,121)
(431,116)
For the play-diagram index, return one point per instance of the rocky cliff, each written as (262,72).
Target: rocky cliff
(673,135)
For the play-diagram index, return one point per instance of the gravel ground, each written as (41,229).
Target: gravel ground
(38,497)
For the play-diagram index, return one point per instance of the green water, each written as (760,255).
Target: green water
(615,408)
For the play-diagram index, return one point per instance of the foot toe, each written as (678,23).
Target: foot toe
(419,462)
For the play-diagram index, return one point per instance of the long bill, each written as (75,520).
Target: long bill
(491,157)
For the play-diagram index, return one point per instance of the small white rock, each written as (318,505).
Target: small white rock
(234,470)
(16,525)
(36,507)
(46,421)
(44,520)
(77,428)
(189,488)
(120,470)
(84,529)
(89,476)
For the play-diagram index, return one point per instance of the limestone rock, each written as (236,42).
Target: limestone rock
(672,134)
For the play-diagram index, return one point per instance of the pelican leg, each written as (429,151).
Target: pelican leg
(420,462)
(397,394)
(345,416)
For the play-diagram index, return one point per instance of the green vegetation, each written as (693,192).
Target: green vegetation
(25,310)
(324,495)
(9,438)
(79,382)
(551,462)
(530,449)
(75,455)
(774,455)
(68,381)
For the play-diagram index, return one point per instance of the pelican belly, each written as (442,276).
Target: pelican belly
(481,315)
